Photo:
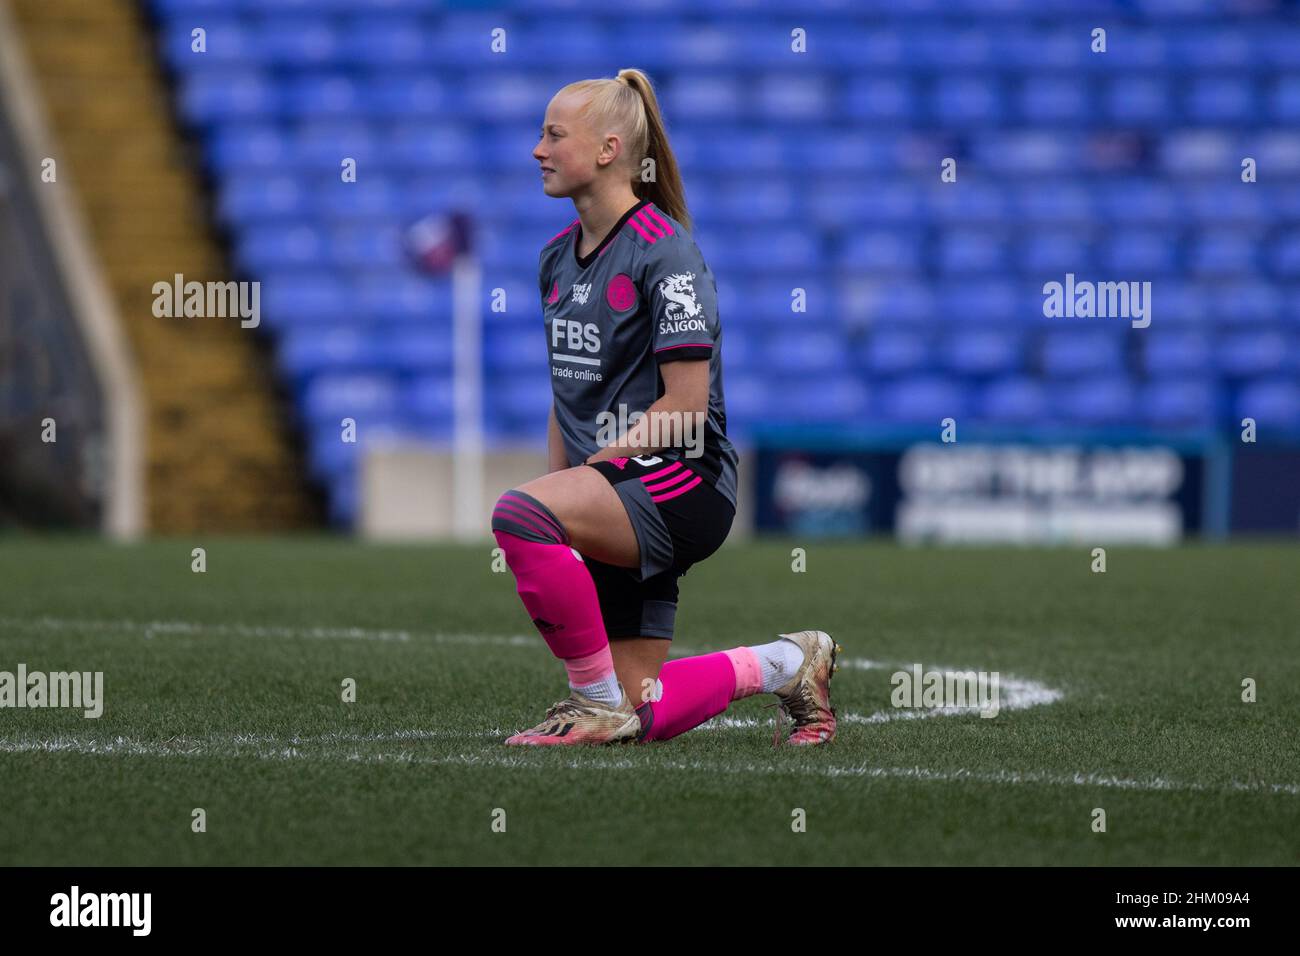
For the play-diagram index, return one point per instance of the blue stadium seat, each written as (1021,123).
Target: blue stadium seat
(1048,99)
(1218,47)
(387,42)
(1027,152)
(975,202)
(1139,101)
(333,397)
(880,251)
(401,296)
(1285,99)
(220,96)
(862,301)
(428,399)
(1138,254)
(1241,303)
(411,94)
(969,251)
(1067,354)
(1221,99)
(842,400)
(816,170)
(1018,400)
(316,95)
(349,348)
(248,199)
(1179,404)
(984,300)
(895,351)
(514,347)
(1097,402)
(226,43)
(1274,404)
(237,147)
(1254,353)
(1218,253)
(1182,302)
(1284,256)
(1054,253)
(798,98)
(962,101)
(880,99)
(983,352)
(1194,152)
(746,396)
(1060,204)
(814,354)
(1127,201)
(924,399)
(718,97)
(1177,352)
(297,41)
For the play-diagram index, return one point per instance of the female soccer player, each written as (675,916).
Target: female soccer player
(642,479)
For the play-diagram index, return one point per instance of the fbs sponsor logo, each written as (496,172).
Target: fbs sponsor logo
(682,311)
(75,908)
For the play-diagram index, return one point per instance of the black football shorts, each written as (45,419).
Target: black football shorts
(679,519)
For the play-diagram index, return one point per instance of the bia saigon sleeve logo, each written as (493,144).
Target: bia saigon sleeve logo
(682,312)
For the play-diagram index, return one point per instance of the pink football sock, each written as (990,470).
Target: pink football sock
(698,688)
(555,586)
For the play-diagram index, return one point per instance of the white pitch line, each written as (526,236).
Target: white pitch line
(289,748)
(1015,693)
(152,629)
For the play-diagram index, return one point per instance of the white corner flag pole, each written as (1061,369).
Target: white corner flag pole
(468,523)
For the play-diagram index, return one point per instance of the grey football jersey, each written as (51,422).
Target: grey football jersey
(643,297)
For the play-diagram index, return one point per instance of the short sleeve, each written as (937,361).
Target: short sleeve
(683,301)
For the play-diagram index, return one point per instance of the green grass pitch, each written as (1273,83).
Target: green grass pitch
(223,691)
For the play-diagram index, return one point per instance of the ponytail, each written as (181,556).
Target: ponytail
(628,103)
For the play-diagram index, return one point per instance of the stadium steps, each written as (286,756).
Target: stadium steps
(220,453)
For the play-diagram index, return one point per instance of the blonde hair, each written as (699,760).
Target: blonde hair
(627,103)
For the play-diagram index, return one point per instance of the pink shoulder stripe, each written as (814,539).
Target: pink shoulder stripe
(563,232)
(663,223)
(649,224)
(641,229)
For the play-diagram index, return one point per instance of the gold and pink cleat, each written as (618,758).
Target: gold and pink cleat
(806,697)
(580,720)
